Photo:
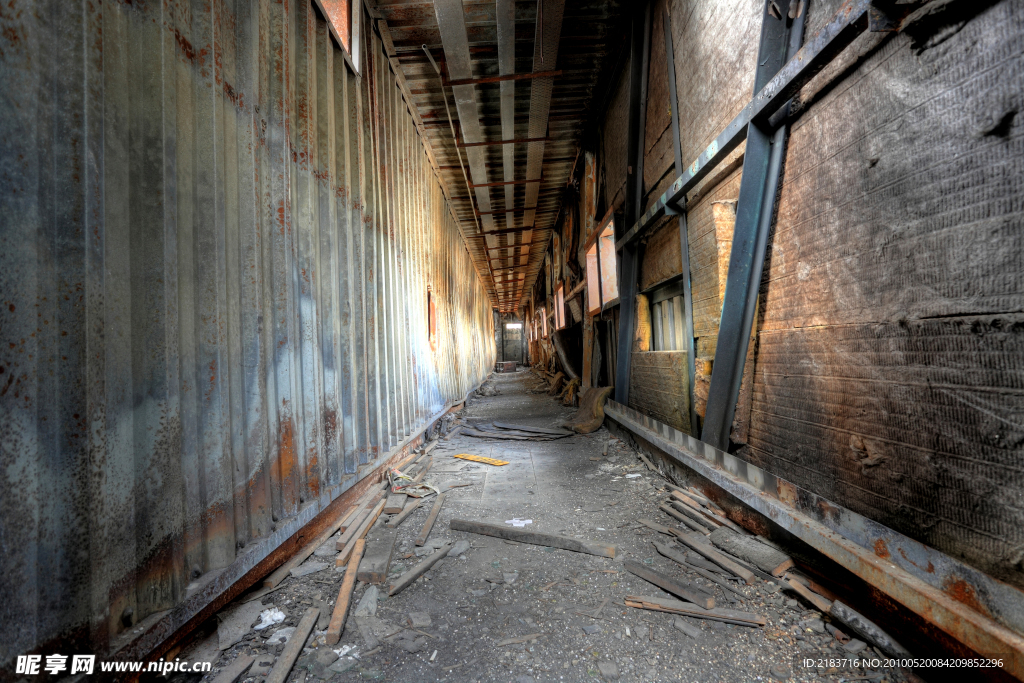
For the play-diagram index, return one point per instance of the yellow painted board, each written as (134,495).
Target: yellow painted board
(479,458)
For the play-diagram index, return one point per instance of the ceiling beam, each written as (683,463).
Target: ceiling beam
(492,143)
(506,77)
(510,246)
(519,210)
(508,182)
(503,231)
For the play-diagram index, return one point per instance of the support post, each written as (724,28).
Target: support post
(762,165)
(629,265)
(684,245)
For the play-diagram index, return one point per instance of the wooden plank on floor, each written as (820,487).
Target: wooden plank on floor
(337,625)
(730,616)
(668,584)
(357,525)
(342,557)
(534,537)
(293,648)
(431,518)
(395,503)
(716,557)
(380,546)
(406,579)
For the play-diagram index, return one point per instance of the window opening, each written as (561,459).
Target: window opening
(560,307)
(608,263)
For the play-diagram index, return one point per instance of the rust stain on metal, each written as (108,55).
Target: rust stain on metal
(963,592)
(881,549)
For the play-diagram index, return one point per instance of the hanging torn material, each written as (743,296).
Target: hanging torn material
(403,483)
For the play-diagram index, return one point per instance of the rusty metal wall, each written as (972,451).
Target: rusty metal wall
(216,247)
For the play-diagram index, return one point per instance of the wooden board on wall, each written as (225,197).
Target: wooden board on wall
(664,379)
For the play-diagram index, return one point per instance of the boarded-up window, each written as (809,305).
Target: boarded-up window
(593,281)
(560,306)
(609,265)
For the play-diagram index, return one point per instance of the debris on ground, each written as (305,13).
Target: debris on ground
(616,573)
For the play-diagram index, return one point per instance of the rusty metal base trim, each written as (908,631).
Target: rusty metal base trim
(158,629)
(856,543)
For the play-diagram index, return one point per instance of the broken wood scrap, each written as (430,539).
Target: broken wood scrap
(453,433)
(431,518)
(592,616)
(815,586)
(746,548)
(680,560)
(293,648)
(457,485)
(406,579)
(675,514)
(703,520)
(534,537)
(718,558)
(681,589)
(356,522)
(711,511)
(430,446)
(657,527)
(359,533)
(341,605)
(395,503)
(696,560)
(380,546)
(527,428)
(820,603)
(520,639)
(648,463)
(688,502)
(346,520)
(410,507)
(754,570)
(729,616)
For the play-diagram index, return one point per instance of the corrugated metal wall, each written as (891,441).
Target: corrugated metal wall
(216,248)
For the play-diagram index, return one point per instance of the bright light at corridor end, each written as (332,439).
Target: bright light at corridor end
(513,326)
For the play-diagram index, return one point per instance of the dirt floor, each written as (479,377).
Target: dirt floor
(455,622)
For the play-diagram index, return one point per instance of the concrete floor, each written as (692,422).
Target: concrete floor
(499,590)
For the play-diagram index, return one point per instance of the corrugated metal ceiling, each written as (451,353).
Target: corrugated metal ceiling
(589,34)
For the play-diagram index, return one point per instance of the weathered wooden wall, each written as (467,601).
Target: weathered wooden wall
(888,369)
